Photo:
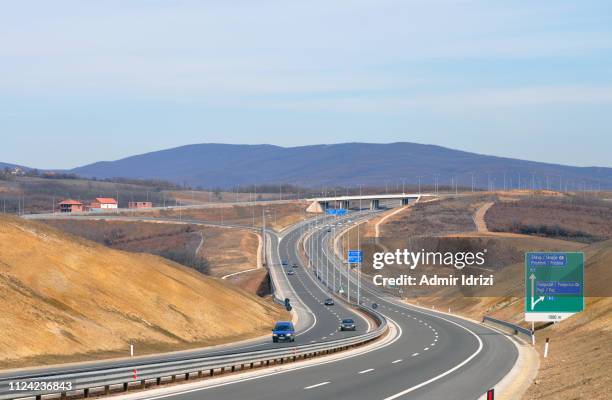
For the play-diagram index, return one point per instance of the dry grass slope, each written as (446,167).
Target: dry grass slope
(64,298)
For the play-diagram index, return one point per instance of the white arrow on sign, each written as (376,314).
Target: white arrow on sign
(541,298)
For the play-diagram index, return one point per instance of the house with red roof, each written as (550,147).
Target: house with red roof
(69,205)
(103,203)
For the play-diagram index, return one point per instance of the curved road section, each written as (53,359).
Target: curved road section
(436,356)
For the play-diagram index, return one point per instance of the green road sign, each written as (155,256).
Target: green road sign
(554,285)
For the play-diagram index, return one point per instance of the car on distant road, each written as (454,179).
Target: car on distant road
(329,302)
(283,331)
(347,324)
(295,265)
(285,263)
(291,272)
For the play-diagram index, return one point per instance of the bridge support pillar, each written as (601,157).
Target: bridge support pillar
(405,201)
(374,204)
(345,204)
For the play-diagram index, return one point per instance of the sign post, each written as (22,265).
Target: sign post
(554,285)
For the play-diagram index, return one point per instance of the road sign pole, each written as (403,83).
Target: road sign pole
(358,283)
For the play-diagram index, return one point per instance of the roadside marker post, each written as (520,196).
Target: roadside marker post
(131,350)
(546,348)
(491,394)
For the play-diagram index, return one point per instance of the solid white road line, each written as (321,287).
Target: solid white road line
(366,370)
(317,385)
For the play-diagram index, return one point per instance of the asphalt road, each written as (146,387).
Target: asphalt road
(436,357)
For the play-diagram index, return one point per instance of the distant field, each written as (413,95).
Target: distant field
(36,195)
(277,216)
(564,217)
(436,218)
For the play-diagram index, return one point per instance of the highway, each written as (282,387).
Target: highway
(431,356)
(435,357)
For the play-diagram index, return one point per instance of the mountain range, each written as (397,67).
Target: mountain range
(227,165)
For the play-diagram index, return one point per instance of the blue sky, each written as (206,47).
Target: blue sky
(83,81)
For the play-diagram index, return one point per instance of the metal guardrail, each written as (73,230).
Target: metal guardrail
(517,329)
(139,374)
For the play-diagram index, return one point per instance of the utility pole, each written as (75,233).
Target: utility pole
(263,233)
(359,249)
(348,267)
(326,257)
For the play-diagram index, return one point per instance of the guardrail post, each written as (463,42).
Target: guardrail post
(125,387)
(63,395)
(107,389)
(187,376)
(199,374)
(173,379)
(86,392)
(252,364)
(39,397)
(143,383)
(158,381)
(212,371)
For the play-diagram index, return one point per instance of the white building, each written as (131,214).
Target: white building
(104,203)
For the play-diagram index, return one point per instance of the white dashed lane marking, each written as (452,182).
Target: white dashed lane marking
(317,385)
(396,361)
(366,370)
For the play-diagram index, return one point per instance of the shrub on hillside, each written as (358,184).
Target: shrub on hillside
(187,259)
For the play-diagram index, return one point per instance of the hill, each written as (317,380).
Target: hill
(225,165)
(65,298)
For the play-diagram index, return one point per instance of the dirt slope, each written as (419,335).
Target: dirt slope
(63,298)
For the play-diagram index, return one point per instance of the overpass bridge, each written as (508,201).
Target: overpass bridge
(320,204)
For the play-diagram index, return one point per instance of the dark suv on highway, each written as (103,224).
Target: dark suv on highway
(347,325)
(283,331)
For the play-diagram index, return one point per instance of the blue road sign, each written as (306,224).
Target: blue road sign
(355,256)
(336,211)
